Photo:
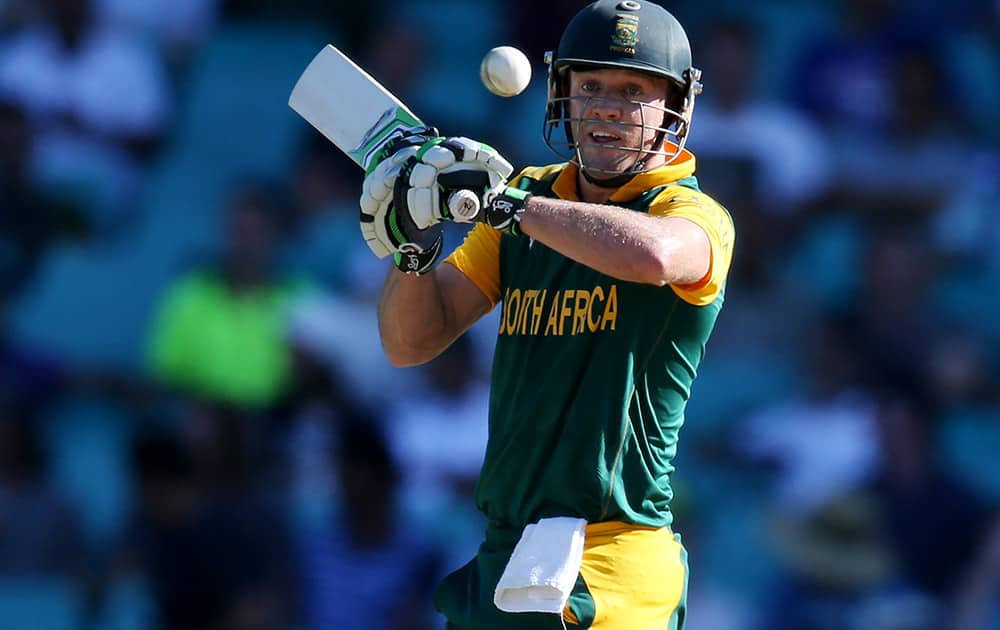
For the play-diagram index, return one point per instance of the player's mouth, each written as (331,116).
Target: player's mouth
(602,136)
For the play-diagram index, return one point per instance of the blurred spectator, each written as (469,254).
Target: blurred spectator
(740,125)
(976,604)
(439,435)
(968,223)
(839,572)
(822,438)
(40,532)
(367,568)
(178,27)
(318,405)
(220,330)
(29,221)
(396,58)
(973,53)
(935,524)
(27,376)
(354,23)
(351,353)
(844,78)
(325,194)
(98,98)
(956,375)
(762,157)
(13,13)
(917,159)
(538,35)
(212,542)
(895,310)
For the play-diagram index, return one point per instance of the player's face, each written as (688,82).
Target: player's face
(615,114)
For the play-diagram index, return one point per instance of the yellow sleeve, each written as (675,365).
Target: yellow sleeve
(703,211)
(478,257)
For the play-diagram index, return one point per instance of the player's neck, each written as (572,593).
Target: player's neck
(590,192)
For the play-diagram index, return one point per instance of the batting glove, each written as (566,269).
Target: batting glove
(429,179)
(388,227)
(470,165)
(376,193)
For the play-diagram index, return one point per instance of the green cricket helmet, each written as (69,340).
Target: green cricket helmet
(634,35)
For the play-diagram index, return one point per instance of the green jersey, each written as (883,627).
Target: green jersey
(591,373)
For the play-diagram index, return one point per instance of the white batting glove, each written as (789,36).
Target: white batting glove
(469,165)
(376,199)
(376,196)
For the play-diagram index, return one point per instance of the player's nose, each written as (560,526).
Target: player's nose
(603,108)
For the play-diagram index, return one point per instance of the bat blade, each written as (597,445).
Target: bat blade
(359,116)
(348,106)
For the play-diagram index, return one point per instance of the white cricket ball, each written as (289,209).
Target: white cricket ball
(505,71)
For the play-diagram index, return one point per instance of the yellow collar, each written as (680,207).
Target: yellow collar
(565,185)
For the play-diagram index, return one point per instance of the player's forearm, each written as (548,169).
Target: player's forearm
(621,243)
(413,319)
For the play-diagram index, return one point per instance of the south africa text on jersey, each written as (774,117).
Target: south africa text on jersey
(563,312)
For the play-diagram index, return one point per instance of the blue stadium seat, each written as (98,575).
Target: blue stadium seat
(40,604)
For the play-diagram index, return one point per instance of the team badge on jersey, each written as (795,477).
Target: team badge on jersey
(626,34)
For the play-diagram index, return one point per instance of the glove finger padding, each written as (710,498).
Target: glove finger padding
(376,201)
(416,193)
(373,229)
(378,186)
(377,191)
(390,231)
(428,189)
(403,227)
(428,178)
(438,156)
(466,150)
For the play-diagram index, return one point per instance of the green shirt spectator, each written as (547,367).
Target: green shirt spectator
(220,333)
(222,344)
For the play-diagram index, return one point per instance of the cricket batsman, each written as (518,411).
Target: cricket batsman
(609,268)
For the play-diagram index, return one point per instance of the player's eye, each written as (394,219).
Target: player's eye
(589,86)
(633,90)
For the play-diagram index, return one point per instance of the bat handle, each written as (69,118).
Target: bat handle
(464,205)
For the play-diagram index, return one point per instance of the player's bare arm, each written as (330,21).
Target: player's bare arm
(421,315)
(621,243)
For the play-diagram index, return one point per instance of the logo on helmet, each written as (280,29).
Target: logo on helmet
(626,34)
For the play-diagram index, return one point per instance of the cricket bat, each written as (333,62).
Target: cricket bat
(357,114)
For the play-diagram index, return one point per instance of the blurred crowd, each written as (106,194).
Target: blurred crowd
(198,429)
